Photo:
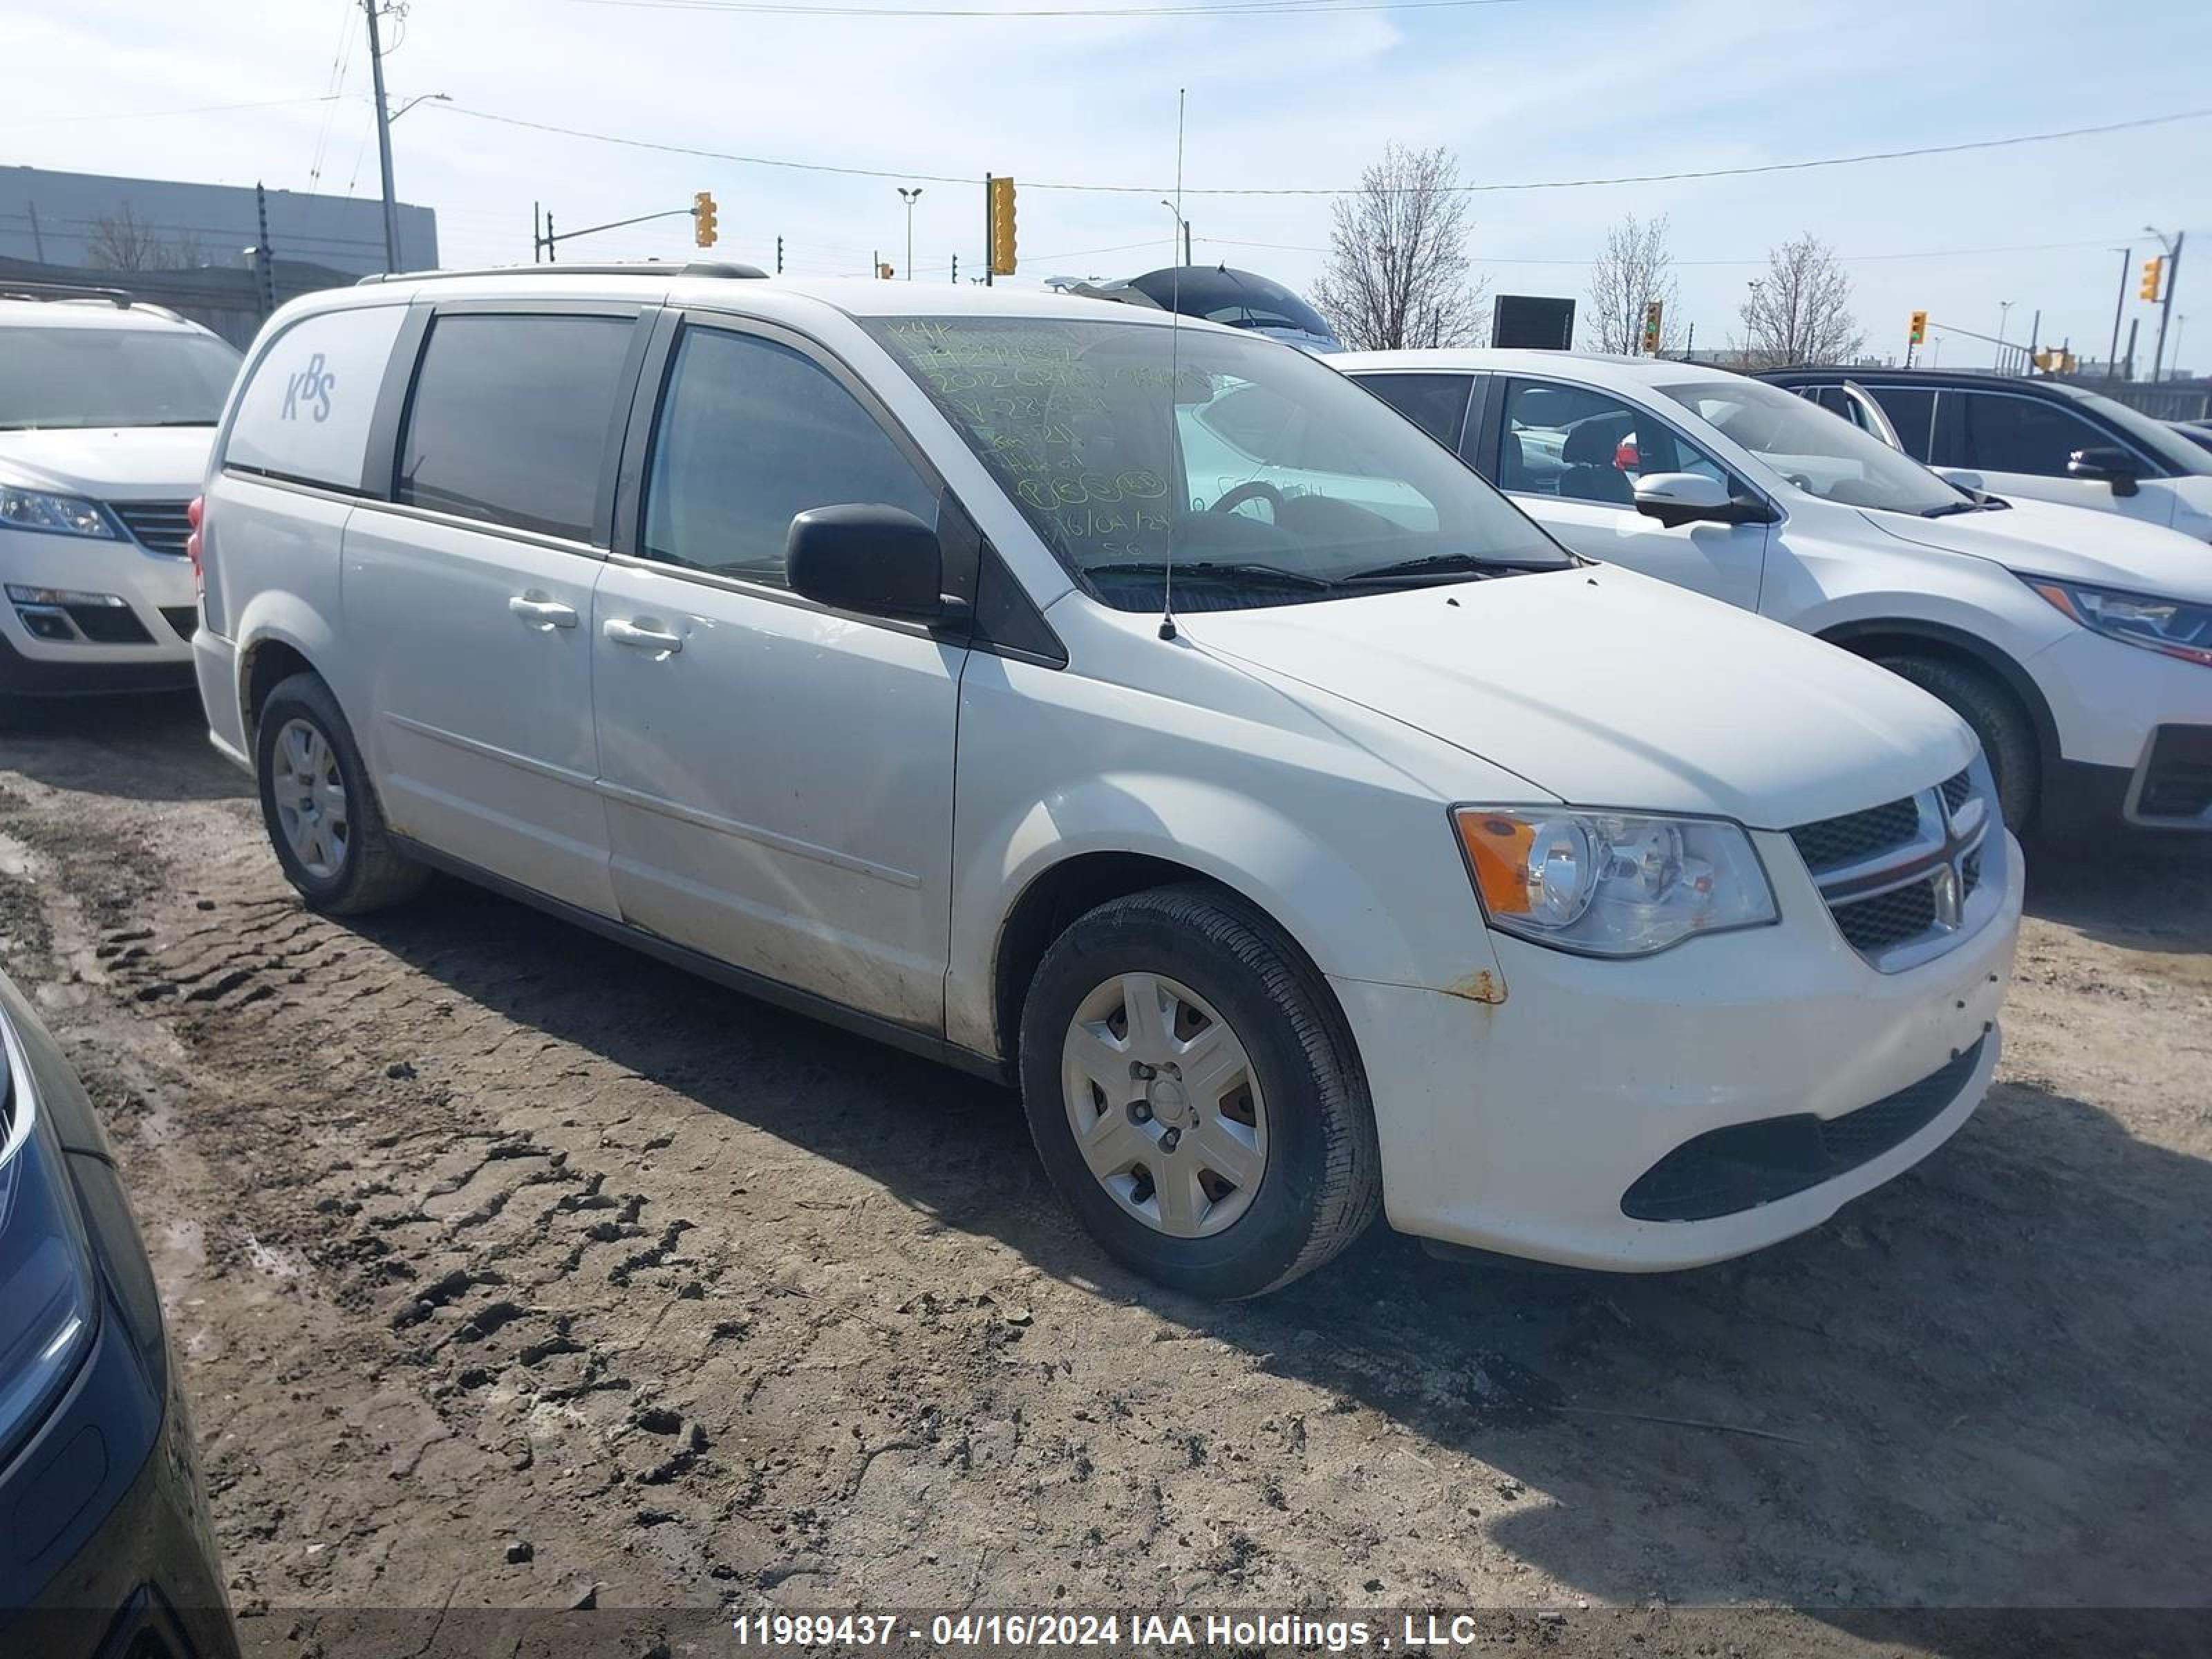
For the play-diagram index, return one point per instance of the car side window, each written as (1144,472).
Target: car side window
(1581,445)
(750,435)
(1435,402)
(511,415)
(2006,433)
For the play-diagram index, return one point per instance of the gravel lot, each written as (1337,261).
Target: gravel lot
(509,1267)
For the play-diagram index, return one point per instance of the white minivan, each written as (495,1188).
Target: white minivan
(2078,646)
(873,648)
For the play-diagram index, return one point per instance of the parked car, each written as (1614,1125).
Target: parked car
(109,1551)
(2079,649)
(2047,440)
(874,649)
(107,410)
(2198,432)
(1235,299)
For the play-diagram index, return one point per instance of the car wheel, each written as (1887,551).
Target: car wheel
(1195,1093)
(1997,720)
(319,810)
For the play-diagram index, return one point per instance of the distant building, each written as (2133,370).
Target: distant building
(70,218)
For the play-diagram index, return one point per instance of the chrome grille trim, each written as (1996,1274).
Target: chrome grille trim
(157,526)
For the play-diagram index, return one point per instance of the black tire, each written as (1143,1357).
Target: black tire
(2007,737)
(372,871)
(1322,1181)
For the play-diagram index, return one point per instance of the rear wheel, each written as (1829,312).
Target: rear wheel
(317,805)
(1998,721)
(1194,1096)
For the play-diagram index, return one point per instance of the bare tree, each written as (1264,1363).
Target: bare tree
(1800,310)
(1397,273)
(1634,269)
(119,242)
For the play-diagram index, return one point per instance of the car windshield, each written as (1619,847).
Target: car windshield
(1267,477)
(1821,453)
(2161,440)
(81,377)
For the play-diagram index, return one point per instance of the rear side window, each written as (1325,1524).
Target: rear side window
(753,433)
(305,415)
(1911,411)
(1435,402)
(512,416)
(2021,435)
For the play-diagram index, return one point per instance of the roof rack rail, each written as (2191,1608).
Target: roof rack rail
(12,289)
(723,268)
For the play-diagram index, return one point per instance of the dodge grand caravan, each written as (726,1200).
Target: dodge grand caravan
(1299,846)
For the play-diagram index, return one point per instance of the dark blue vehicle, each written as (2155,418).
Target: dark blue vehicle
(104,1548)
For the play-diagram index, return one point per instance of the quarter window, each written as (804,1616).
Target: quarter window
(1911,411)
(512,417)
(1435,402)
(753,433)
(2022,434)
(306,413)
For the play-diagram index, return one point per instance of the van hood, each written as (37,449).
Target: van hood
(129,462)
(1602,688)
(2074,543)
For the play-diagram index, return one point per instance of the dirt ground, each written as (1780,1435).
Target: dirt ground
(510,1268)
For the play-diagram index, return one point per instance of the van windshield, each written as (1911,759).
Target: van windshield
(1821,453)
(87,377)
(1265,478)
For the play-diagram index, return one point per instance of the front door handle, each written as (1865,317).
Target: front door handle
(641,639)
(542,612)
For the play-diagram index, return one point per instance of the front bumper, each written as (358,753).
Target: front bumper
(142,645)
(1520,1126)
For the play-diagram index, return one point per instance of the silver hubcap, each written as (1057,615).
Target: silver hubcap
(1164,1105)
(311,802)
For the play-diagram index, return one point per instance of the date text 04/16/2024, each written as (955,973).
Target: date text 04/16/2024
(1045,1631)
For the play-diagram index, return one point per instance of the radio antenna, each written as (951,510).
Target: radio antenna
(1175,381)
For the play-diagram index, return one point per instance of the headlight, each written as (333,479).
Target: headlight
(59,515)
(2175,628)
(46,1308)
(1611,884)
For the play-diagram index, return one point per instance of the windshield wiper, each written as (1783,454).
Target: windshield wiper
(1449,564)
(1949,508)
(1217,569)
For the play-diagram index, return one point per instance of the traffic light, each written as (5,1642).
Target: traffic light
(1002,203)
(1652,313)
(1918,335)
(2153,272)
(702,219)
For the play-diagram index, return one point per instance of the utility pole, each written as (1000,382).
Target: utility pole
(2165,305)
(537,232)
(2134,323)
(2113,355)
(383,140)
(264,261)
(38,241)
(779,256)
(956,270)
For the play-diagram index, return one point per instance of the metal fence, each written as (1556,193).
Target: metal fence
(230,300)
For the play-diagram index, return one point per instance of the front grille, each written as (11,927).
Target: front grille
(185,619)
(1724,1171)
(1970,874)
(1957,789)
(2178,782)
(108,624)
(159,526)
(1875,924)
(1833,842)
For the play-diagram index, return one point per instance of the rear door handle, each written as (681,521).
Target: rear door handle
(542,612)
(641,639)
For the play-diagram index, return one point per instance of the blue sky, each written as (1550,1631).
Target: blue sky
(1538,90)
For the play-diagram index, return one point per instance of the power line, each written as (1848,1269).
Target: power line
(1313,190)
(1848,258)
(162,114)
(1224,8)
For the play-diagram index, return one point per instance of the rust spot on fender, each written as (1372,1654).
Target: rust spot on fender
(1482,985)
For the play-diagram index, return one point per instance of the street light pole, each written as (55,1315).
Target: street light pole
(2004,311)
(383,140)
(2165,307)
(1183,223)
(909,196)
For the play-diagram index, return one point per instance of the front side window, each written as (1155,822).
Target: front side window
(75,376)
(2023,435)
(1435,402)
(1583,446)
(753,433)
(1811,450)
(1265,478)
(511,418)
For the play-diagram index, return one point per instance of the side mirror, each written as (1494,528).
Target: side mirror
(1965,477)
(2105,464)
(1680,498)
(878,561)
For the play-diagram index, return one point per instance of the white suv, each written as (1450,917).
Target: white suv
(107,412)
(820,640)
(2078,645)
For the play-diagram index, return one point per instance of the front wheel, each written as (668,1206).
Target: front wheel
(317,805)
(1998,721)
(1194,1095)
